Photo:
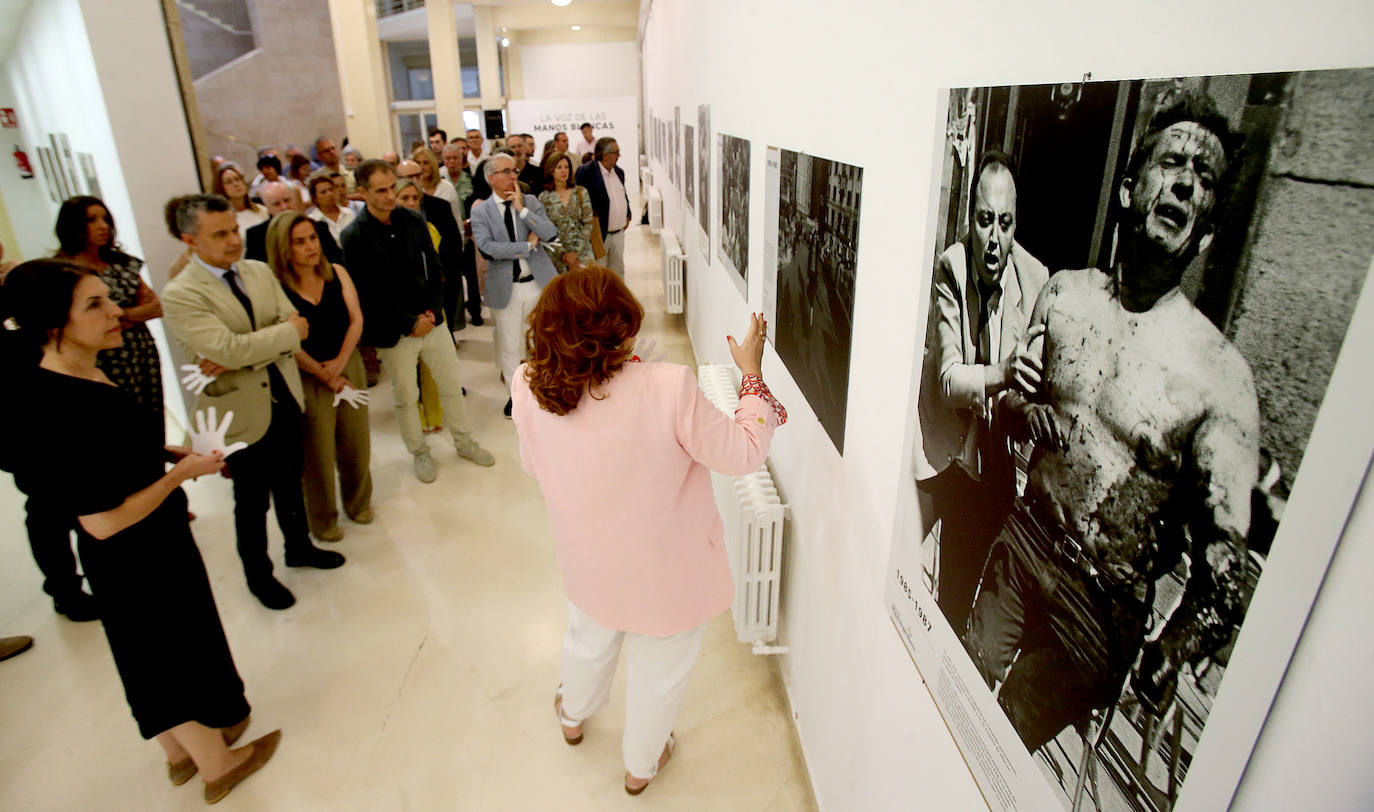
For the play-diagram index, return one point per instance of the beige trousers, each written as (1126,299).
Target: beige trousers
(335,436)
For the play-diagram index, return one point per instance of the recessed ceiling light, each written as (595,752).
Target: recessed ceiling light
(505,42)
(577,28)
(561,2)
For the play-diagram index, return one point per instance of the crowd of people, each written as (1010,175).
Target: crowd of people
(286,283)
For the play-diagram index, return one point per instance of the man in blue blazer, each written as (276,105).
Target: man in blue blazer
(508,228)
(605,184)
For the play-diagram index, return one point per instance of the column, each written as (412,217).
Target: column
(362,75)
(488,58)
(444,66)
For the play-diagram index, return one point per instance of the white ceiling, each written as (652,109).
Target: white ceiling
(411,25)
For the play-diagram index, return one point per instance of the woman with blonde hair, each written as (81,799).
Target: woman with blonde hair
(570,208)
(229,182)
(623,452)
(332,375)
(431,182)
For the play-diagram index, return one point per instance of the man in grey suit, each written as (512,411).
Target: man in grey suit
(508,229)
(233,313)
(982,293)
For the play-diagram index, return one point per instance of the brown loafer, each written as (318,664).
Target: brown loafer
(179,772)
(10,646)
(262,750)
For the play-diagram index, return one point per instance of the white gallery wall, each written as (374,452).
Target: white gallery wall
(101,73)
(859,83)
(579,69)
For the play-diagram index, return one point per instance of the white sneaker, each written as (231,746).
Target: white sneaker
(468,449)
(424,467)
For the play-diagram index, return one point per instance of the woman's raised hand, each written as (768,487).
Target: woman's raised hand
(748,355)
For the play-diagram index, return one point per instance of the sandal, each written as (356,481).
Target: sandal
(564,722)
(668,748)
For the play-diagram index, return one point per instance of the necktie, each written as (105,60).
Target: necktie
(232,279)
(510,229)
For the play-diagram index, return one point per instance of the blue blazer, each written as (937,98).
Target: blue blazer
(489,232)
(589,177)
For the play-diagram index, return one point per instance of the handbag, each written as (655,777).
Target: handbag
(598,246)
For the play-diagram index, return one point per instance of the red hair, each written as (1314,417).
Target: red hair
(579,336)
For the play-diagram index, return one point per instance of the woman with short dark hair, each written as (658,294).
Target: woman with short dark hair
(622,451)
(145,571)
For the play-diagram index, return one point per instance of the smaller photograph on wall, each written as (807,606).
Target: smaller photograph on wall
(676,138)
(734,209)
(45,159)
(66,161)
(704,177)
(87,162)
(689,169)
(811,253)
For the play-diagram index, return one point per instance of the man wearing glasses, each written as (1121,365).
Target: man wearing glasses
(605,183)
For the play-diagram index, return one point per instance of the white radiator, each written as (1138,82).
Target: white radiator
(754,518)
(673,261)
(655,210)
(646,177)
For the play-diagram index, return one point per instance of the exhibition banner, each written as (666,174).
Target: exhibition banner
(1137,427)
(611,117)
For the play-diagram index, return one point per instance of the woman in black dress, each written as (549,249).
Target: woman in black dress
(86,235)
(143,565)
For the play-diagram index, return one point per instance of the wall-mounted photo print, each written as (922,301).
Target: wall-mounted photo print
(734,210)
(704,177)
(1125,483)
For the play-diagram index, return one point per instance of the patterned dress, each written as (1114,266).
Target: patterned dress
(135,367)
(574,223)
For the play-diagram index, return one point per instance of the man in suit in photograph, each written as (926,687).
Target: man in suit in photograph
(508,229)
(982,293)
(605,184)
(233,314)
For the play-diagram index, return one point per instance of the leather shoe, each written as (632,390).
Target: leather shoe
(315,557)
(271,593)
(78,607)
(10,646)
(179,772)
(261,750)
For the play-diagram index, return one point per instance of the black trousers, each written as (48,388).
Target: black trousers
(473,300)
(50,540)
(271,467)
(971,512)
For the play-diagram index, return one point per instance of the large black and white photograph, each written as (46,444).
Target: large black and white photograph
(1139,292)
(811,299)
(704,177)
(689,170)
(734,209)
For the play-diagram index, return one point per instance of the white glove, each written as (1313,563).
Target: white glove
(207,439)
(194,380)
(351,396)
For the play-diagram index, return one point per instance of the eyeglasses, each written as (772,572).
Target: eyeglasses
(505,172)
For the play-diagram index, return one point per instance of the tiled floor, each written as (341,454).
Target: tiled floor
(418,677)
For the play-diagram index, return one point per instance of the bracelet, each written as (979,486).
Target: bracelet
(754,385)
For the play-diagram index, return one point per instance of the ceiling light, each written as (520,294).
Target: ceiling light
(505,42)
(577,28)
(561,2)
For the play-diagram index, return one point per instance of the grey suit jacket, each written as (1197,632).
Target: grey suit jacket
(202,313)
(489,232)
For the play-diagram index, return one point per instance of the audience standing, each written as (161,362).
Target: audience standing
(336,430)
(586,143)
(229,183)
(279,198)
(400,286)
(509,229)
(233,313)
(605,182)
(328,208)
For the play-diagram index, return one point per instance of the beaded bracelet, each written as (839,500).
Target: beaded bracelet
(754,385)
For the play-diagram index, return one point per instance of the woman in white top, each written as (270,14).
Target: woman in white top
(229,182)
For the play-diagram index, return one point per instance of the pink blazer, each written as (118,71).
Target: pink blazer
(628,490)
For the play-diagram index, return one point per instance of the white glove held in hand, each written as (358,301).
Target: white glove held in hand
(194,380)
(207,439)
(351,396)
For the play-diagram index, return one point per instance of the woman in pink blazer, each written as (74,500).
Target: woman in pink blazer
(622,451)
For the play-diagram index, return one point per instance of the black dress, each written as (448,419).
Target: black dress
(148,580)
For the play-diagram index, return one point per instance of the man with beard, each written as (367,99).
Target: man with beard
(982,292)
(1146,432)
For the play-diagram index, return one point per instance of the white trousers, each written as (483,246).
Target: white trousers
(442,359)
(509,328)
(656,672)
(615,252)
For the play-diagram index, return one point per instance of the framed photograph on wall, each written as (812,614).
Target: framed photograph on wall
(734,210)
(1121,499)
(87,162)
(704,177)
(689,169)
(50,174)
